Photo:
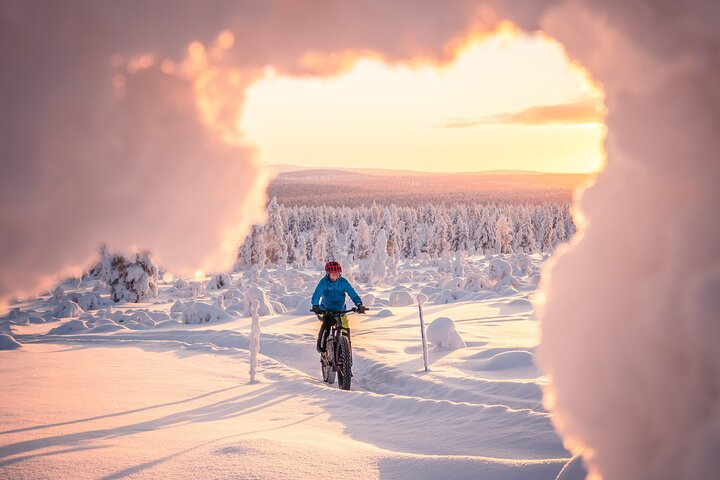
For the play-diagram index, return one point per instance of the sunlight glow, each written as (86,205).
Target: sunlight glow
(523,106)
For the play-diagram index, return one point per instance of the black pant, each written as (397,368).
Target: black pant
(327,322)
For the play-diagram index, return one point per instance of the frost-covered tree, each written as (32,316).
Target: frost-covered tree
(132,279)
(524,239)
(273,233)
(319,251)
(364,245)
(503,234)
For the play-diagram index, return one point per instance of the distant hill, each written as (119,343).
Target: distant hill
(384,172)
(314,186)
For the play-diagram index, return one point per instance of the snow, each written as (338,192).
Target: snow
(67,309)
(400,299)
(199,312)
(442,333)
(477,412)
(7,342)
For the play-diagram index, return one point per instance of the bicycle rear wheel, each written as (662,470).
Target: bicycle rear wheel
(344,364)
(326,362)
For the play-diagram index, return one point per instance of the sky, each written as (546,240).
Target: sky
(508,101)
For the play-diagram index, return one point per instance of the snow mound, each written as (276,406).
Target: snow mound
(199,312)
(68,328)
(140,320)
(107,328)
(443,334)
(303,306)
(384,313)
(368,300)
(449,296)
(7,342)
(511,359)
(400,299)
(178,307)
(89,300)
(232,293)
(67,309)
(291,301)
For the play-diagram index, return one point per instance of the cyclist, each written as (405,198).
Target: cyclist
(332,289)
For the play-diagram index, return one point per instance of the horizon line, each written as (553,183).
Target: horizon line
(287,167)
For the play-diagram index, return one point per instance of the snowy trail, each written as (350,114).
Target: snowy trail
(396,411)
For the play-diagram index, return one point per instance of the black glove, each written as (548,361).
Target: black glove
(361,309)
(316,309)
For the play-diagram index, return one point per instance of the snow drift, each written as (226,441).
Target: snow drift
(443,334)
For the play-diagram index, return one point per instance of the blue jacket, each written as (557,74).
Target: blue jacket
(333,294)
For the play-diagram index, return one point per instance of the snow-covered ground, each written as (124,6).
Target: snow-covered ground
(162,389)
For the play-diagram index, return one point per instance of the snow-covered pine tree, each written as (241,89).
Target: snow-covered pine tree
(273,233)
(503,234)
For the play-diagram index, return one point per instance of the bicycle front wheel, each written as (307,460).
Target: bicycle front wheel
(344,363)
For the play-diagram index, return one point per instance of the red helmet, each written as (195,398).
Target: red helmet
(333,267)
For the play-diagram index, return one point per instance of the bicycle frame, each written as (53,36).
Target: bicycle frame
(334,336)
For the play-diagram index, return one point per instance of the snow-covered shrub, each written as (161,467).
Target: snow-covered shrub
(521,265)
(196,289)
(400,299)
(278,289)
(219,302)
(278,307)
(476,282)
(178,307)
(455,283)
(141,319)
(89,300)
(131,279)
(232,293)
(459,264)
(293,280)
(500,272)
(218,281)
(68,328)
(443,334)
(256,293)
(449,296)
(58,294)
(181,284)
(199,312)
(67,309)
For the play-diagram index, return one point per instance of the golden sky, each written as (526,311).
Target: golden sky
(506,102)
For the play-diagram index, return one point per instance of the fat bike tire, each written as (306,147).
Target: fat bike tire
(344,364)
(326,363)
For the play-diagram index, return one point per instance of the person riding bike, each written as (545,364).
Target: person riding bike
(330,295)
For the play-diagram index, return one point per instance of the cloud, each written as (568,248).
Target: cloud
(580,112)
(628,319)
(119,120)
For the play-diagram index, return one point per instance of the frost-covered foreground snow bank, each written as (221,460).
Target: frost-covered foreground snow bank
(169,368)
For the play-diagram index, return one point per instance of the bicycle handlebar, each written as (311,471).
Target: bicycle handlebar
(354,309)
